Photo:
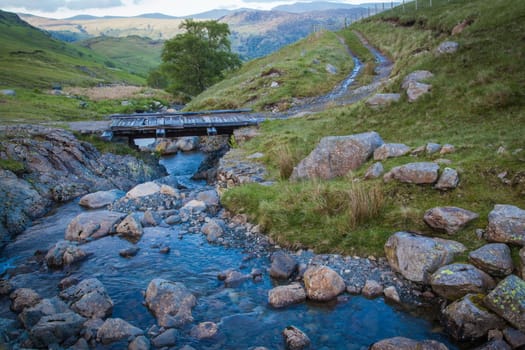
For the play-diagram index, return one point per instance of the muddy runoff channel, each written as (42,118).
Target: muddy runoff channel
(238,307)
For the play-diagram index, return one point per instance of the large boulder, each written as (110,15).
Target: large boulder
(401,343)
(295,339)
(46,307)
(55,329)
(468,319)
(131,228)
(283,265)
(100,199)
(64,253)
(335,156)
(89,298)
(448,219)
(417,257)
(282,296)
(495,259)
(456,280)
(322,283)
(170,302)
(390,150)
(116,329)
(93,225)
(416,173)
(508,301)
(506,225)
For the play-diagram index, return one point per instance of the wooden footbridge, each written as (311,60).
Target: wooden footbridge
(154,125)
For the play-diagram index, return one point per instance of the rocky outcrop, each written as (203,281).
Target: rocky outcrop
(401,343)
(506,225)
(335,156)
(89,298)
(467,319)
(56,167)
(322,283)
(170,302)
(390,150)
(295,339)
(508,301)
(282,296)
(64,254)
(448,219)
(495,259)
(93,225)
(417,257)
(456,280)
(416,173)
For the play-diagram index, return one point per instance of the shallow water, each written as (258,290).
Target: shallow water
(242,313)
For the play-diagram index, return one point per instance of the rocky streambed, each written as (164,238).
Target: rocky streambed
(164,266)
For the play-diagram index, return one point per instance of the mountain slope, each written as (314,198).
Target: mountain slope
(476,103)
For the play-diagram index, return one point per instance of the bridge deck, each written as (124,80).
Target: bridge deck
(180,124)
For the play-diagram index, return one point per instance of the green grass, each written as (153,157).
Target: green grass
(299,69)
(133,54)
(477,104)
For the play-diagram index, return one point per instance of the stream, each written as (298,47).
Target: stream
(241,312)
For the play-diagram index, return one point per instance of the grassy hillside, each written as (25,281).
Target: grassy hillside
(33,64)
(134,54)
(299,70)
(477,103)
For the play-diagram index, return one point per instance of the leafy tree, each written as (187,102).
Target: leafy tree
(199,57)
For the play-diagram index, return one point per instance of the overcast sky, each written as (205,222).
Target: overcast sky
(68,8)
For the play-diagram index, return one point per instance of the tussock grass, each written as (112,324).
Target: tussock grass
(477,103)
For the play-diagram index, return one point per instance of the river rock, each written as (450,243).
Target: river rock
(57,168)
(416,173)
(23,298)
(508,301)
(63,254)
(295,339)
(447,47)
(401,343)
(170,302)
(89,298)
(233,278)
(55,329)
(151,219)
(204,330)
(456,280)
(168,338)
(448,219)
(194,207)
(46,307)
(129,252)
(166,146)
(416,89)
(374,171)
(283,265)
(392,294)
(210,198)
(379,100)
(131,228)
(335,156)
(322,283)
(213,230)
(372,289)
(116,329)
(139,343)
(515,338)
(169,191)
(93,225)
(187,144)
(495,259)
(418,75)
(390,150)
(143,190)
(417,257)
(448,180)
(5,287)
(467,319)
(100,199)
(506,225)
(282,296)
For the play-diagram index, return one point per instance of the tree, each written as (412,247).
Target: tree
(199,57)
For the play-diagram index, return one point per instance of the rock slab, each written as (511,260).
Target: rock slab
(508,301)
(456,280)
(448,219)
(401,343)
(416,173)
(495,259)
